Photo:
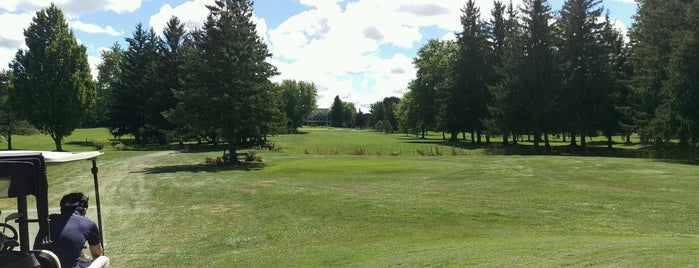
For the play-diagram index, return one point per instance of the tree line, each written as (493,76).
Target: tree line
(529,71)
(211,84)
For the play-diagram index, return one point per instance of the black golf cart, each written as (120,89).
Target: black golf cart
(23,174)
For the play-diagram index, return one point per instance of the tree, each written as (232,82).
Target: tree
(389,104)
(229,93)
(616,115)
(299,101)
(682,86)
(429,90)
(651,37)
(335,112)
(539,79)
(348,114)
(10,121)
(506,111)
(377,111)
(407,114)
(171,65)
(53,87)
(108,76)
(360,119)
(473,69)
(136,107)
(584,75)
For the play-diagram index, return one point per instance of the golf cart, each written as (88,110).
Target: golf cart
(23,173)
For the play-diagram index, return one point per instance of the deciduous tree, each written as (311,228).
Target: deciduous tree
(52,85)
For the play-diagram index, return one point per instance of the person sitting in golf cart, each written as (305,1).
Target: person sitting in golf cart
(69,231)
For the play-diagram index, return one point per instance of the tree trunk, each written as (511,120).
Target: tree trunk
(573,142)
(583,142)
(537,139)
(628,139)
(609,142)
(514,138)
(233,154)
(9,142)
(423,133)
(473,138)
(547,144)
(57,140)
(454,136)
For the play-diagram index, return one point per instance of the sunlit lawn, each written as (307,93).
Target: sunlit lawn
(309,206)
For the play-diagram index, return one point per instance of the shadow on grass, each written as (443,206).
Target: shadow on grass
(667,153)
(197,168)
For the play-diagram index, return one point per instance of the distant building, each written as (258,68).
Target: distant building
(318,118)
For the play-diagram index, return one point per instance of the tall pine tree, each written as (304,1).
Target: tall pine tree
(230,92)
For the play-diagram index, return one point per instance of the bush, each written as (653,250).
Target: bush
(253,156)
(100,144)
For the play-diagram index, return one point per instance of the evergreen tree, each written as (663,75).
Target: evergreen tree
(230,93)
(539,79)
(52,84)
(469,98)
(651,39)
(584,85)
(136,109)
(335,112)
(505,110)
(615,117)
(108,76)
(170,63)
(682,86)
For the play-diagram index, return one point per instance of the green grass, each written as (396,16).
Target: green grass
(377,210)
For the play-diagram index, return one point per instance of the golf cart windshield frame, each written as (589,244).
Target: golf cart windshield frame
(26,172)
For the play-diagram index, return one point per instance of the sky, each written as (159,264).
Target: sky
(359,50)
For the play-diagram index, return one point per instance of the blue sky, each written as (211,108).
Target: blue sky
(361,50)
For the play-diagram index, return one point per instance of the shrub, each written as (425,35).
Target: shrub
(100,144)
(118,146)
(253,156)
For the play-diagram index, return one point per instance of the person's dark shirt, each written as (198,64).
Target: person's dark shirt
(69,231)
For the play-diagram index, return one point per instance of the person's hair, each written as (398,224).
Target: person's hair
(73,201)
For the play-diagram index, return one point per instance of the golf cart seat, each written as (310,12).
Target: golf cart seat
(47,259)
(18,259)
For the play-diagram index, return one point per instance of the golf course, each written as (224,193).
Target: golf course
(358,198)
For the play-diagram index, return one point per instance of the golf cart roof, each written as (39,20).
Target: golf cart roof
(55,157)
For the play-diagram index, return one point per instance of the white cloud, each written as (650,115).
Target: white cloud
(12,35)
(94,61)
(191,13)
(345,51)
(72,7)
(6,56)
(92,28)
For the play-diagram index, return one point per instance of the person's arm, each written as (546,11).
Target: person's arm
(96,251)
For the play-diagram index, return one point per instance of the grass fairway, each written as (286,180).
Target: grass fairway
(308,206)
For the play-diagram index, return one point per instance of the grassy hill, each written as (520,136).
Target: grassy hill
(337,197)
